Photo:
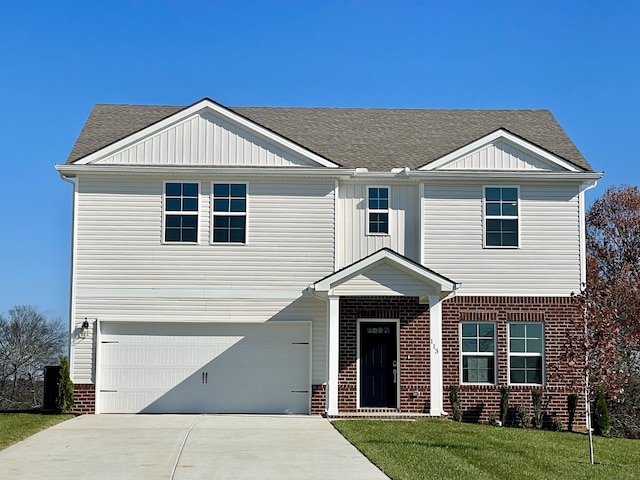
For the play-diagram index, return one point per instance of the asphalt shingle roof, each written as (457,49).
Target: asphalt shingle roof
(377,139)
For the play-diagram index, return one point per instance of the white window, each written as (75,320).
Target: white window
(478,352)
(181,212)
(526,353)
(501,207)
(378,210)
(229,213)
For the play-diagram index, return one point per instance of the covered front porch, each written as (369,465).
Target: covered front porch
(384,337)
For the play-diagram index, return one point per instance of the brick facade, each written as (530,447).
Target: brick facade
(557,313)
(84,398)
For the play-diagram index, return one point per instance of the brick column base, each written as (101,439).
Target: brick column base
(84,398)
(318,399)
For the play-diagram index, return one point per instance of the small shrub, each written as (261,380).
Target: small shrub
(504,403)
(64,400)
(572,405)
(521,417)
(493,419)
(600,421)
(455,402)
(554,424)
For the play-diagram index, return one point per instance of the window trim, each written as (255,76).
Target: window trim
(486,217)
(244,214)
(525,354)
(165,212)
(481,354)
(378,210)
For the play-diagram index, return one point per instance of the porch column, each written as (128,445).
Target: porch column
(333,352)
(435,375)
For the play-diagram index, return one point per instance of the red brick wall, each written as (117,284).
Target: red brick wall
(557,314)
(318,399)
(84,398)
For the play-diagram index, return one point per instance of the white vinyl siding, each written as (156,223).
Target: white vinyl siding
(125,273)
(204,139)
(383,279)
(501,156)
(547,261)
(353,238)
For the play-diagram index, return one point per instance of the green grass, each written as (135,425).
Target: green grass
(18,426)
(431,448)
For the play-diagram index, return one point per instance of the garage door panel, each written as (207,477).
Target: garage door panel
(205,369)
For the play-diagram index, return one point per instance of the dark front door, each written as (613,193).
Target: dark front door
(378,364)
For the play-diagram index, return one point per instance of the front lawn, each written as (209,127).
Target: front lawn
(432,448)
(18,426)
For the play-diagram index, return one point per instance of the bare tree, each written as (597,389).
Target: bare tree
(28,342)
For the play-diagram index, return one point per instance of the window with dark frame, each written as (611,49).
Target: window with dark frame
(181,212)
(229,213)
(501,216)
(526,353)
(378,210)
(478,352)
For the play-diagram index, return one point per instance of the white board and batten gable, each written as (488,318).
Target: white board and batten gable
(385,273)
(206,134)
(502,151)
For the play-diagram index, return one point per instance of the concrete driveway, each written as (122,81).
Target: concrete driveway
(187,447)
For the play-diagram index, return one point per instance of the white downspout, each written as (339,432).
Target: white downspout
(66,179)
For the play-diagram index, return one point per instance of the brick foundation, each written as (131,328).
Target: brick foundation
(84,398)
(318,399)
(557,313)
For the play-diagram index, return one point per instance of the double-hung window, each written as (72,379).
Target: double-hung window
(180,212)
(229,201)
(378,210)
(501,216)
(526,353)
(478,352)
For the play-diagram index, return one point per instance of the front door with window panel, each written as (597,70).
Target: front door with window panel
(378,364)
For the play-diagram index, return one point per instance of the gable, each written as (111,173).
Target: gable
(384,279)
(501,151)
(501,155)
(204,134)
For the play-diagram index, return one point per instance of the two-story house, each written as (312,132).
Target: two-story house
(322,260)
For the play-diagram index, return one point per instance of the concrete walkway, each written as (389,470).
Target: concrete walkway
(187,447)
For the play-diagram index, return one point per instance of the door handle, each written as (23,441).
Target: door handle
(395,375)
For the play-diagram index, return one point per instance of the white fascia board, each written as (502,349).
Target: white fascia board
(221,111)
(73,170)
(332,281)
(522,176)
(501,134)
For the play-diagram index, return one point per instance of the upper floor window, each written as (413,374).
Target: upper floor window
(229,213)
(526,353)
(378,210)
(501,216)
(478,352)
(181,212)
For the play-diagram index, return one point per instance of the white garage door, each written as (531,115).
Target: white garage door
(191,368)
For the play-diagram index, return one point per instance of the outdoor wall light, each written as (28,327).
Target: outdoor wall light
(85,327)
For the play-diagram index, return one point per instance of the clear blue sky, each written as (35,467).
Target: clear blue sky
(580,59)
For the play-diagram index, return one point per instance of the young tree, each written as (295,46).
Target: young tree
(28,342)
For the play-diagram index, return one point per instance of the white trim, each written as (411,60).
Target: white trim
(74,273)
(329,283)
(421,194)
(378,210)
(333,354)
(583,234)
(436,378)
(200,107)
(337,230)
(181,212)
(518,217)
(525,354)
(501,134)
(359,322)
(229,214)
(479,354)
(97,379)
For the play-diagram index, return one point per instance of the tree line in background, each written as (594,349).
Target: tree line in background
(610,347)
(29,341)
